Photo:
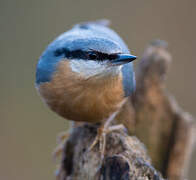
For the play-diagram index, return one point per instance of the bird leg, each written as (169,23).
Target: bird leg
(102,131)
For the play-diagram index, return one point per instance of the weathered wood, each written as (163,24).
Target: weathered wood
(160,124)
(125,158)
(153,116)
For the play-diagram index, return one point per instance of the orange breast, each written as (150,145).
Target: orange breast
(79,99)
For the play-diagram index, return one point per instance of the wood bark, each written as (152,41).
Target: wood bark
(160,134)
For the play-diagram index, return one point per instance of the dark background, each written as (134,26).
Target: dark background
(28,128)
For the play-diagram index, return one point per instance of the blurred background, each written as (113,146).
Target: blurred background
(28,128)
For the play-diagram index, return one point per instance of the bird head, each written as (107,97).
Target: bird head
(93,51)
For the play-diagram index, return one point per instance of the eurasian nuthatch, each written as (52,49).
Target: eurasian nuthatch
(86,73)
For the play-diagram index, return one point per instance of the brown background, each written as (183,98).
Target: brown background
(28,128)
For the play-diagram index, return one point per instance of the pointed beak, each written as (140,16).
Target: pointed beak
(123,59)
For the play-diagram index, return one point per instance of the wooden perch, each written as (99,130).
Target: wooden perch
(155,120)
(126,157)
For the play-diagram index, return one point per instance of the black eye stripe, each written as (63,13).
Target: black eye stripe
(62,51)
(96,55)
(86,55)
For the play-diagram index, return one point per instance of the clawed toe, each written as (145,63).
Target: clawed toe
(100,138)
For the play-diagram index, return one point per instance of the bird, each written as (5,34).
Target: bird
(86,75)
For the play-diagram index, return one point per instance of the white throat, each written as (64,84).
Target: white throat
(90,68)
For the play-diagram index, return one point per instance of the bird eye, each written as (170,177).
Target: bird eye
(92,55)
(112,56)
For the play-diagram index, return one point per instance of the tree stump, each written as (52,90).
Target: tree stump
(160,135)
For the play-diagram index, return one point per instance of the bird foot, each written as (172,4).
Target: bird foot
(101,137)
